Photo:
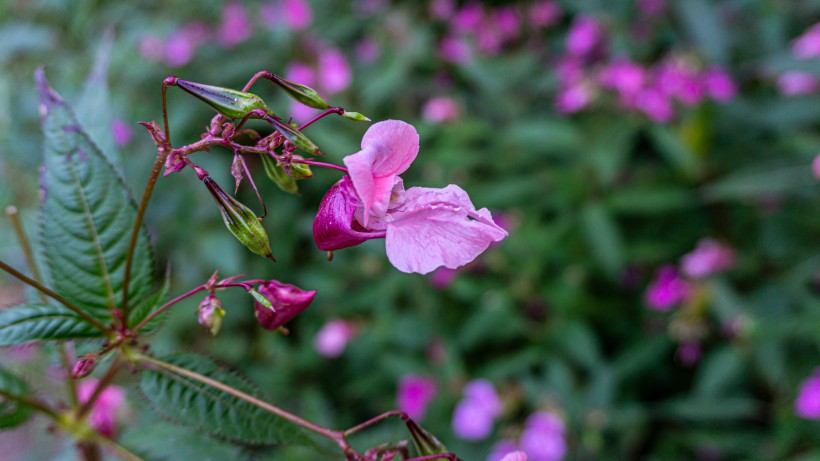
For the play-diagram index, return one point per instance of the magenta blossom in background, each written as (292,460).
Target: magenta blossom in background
(584,36)
(468,18)
(423,228)
(807,404)
(455,50)
(122,132)
(543,437)
(301,73)
(573,98)
(297,14)
(502,449)
(441,110)
(442,277)
(656,105)
(334,72)
(815,166)
(544,13)
(414,394)
(104,411)
(442,9)
(666,290)
(367,50)
(475,414)
(332,338)
(794,83)
(236,26)
(624,76)
(718,84)
(807,46)
(708,257)
(288,301)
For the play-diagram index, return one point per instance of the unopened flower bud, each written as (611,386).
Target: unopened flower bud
(228,102)
(241,221)
(84,366)
(210,313)
(300,170)
(287,301)
(302,93)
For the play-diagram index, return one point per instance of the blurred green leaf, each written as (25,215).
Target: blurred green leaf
(672,148)
(30,323)
(12,412)
(704,23)
(757,182)
(94,108)
(603,237)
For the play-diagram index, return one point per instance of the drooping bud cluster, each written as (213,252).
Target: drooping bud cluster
(285,302)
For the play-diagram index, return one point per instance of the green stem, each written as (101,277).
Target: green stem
(336,436)
(42,289)
(165,306)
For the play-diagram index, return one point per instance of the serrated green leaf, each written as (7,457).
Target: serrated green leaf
(28,323)
(192,403)
(143,307)
(94,105)
(277,174)
(86,216)
(12,412)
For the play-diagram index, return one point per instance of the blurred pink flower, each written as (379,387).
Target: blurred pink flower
(332,338)
(178,50)
(104,412)
(573,98)
(584,36)
(442,10)
(468,18)
(442,277)
(794,83)
(544,13)
(807,404)
(334,71)
(569,69)
(301,73)
(507,22)
(454,50)
(502,449)
(122,132)
(689,353)
(807,46)
(151,47)
(297,14)
(236,26)
(476,412)
(719,85)
(655,104)
(666,290)
(440,110)
(543,437)
(708,257)
(624,76)
(367,50)
(651,8)
(414,394)
(815,166)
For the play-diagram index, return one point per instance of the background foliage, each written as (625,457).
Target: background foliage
(554,316)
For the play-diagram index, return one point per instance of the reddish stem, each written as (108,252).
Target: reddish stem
(321,164)
(332,110)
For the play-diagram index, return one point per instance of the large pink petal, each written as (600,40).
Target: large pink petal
(388,149)
(438,227)
(334,226)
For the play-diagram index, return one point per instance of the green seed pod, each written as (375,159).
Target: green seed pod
(228,102)
(241,221)
(294,136)
(300,170)
(425,442)
(278,175)
(304,94)
(355,116)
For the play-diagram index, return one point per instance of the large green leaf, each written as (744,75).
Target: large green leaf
(94,104)
(12,412)
(190,402)
(86,216)
(28,323)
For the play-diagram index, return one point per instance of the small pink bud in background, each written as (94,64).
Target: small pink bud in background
(795,83)
(210,313)
(543,437)
(84,366)
(815,166)
(334,71)
(507,22)
(333,337)
(543,14)
(708,257)
(807,46)
(236,26)
(475,414)
(807,404)
(287,300)
(690,353)
(122,132)
(441,110)
(502,450)
(455,50)
(104,412)
(414,395)
(297,14)
(719,85)
(584,36)
(666,290)
(442,277)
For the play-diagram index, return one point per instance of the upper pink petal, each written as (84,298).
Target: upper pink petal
(334,226)
(438,227)
(388,149)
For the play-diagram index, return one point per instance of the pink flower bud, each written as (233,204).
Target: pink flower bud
(666,290)
(807,404)
(708,257)
(287,302)
(332,339)
(210,313)
(84,366)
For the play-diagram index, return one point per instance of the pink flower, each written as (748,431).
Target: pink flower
(151,47)
(544,13)
(807,404)
(236,26)
(503,450)
(476,412)
(584,36)
(103,415)
(666,290)
(178,50)
(624,76)
(708,257)
(334,72)
(288,301)
(795,83)
(719,85)
(454,50)
(414,394)
(655,105)
(333,337)
(423,228)
(543,437)
(122,132)
(468,18)
(441,110)
(442,9)
(506,21)
(297,14)
(442,277)
(367,50)
(573,98)
(807,46)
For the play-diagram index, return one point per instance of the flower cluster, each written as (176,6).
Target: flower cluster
(423,228)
